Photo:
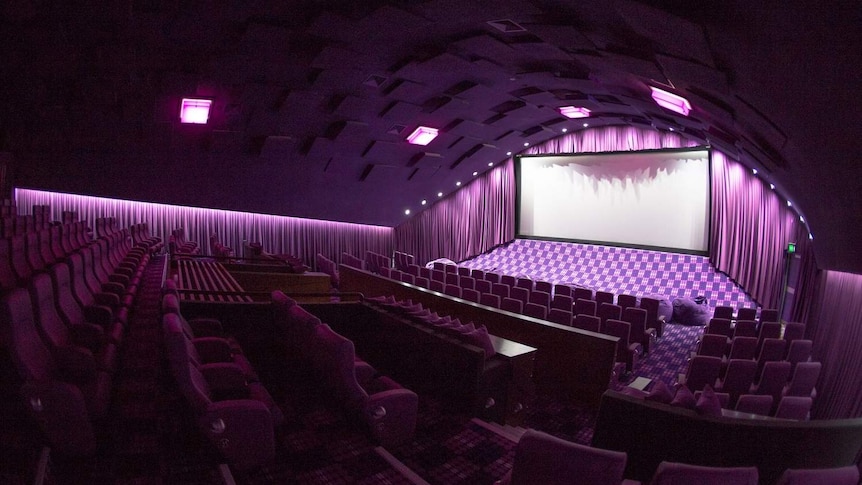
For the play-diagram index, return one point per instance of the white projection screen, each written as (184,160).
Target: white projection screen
(649,199)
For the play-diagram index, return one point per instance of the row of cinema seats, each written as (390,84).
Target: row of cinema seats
(177,243)
(61,328)
(452,360)
(629,325)
(542,458)
(218,249)
(233,410)
(381,406)
(403,260)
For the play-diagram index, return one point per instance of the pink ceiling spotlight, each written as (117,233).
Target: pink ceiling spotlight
(422,135)
(574,112)
(195,111)
(671,101)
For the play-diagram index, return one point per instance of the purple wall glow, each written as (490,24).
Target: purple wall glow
(303,238)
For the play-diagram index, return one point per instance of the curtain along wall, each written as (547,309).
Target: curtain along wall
(303,238)
(836,329)
(750,228)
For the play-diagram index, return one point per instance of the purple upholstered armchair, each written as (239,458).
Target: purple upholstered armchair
(388,410)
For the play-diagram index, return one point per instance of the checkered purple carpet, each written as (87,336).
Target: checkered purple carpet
(617,270)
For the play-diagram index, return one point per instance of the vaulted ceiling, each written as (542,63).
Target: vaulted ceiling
(313,99)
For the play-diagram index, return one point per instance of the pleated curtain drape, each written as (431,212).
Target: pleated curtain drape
(303,238)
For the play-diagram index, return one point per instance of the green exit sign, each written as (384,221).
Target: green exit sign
(791,248)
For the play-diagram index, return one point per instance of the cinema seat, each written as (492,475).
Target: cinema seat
(669,473)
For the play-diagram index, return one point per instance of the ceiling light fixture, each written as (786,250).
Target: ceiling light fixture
(458,184)
(565,130)
(491,164)
(671,101)
(526,143)
(586,125)
(422,135)
(754,171)
(439,194)
(772,186)
(407,212)
(574,112)
(508,154)
(195,111)
(475,173)
(789,204)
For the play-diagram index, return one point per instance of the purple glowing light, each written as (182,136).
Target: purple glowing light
(574,112)
(671,101)
(195,111)
(422,135)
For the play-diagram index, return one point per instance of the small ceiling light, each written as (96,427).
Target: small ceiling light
(671,101)
(457,184)
(475,173)
(407,212)
(754,171)
(565,130)
(670,129)
(802,219)
(491,164)
(439,194)
(422,135)
(810,237)
(586,125)
(424,201)
(574,112)
(508,154)
(195,111)
(526,143)
(772,186)
(789,204)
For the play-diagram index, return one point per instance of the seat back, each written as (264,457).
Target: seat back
(540,298)
(804,379)
(794,331)
(702,370)
(773,379)
(469,295)
(603,297)
(490,300)
(542,458)
(545,286)
(738,379)
(768,315)
(798,351)
(718,326)
(743,348)
(332,360)
(713,345)
(794,407)
(584,321)
(562,317)
(585,307)
(521,294)
(669,473)
(536,311)
(483,286)
(512,305)
(627,301)
(754,404)
(582,293)
(19,334)
(848,475)
(609,311)
(746,314)
(745,328)
(525,283)
(492,277)
(562,290)
(467,282)
(562,302)
(725,312)
(500,290)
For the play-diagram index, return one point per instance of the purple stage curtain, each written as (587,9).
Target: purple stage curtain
(481,215)
(750,228)
(474,219)
(303,238)
(836,328)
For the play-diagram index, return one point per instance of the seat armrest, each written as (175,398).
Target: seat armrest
(391,416)
(241,430)
(76,364)
(61,411)
(118,278)
(206,327)
(88,335)
(114,287)
(225,377)
(364,373)
(110,300)
(101,315)
(213,349)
